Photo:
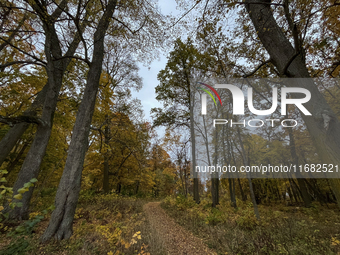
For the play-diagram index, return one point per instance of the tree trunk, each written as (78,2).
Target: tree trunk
(232,192)
(106,184)
(215,180)
(8,142)
(56,66)
(12,165)
(193,148)
(325,134)
(137,187)
(252,195)
(32,162)
(227,162)
(301,181)
(60,225)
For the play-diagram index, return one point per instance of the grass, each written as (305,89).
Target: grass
(103,224)
(282,229)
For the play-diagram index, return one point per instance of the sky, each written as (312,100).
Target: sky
(149,73)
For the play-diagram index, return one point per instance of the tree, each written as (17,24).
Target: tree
(177,93)
(323,124)
(60,224)
(56,66)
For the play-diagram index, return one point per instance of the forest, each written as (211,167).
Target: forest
(84,170)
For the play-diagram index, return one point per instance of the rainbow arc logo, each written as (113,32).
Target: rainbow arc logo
(209,93)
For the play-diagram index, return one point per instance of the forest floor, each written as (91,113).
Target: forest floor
(283,229)
(175,238)
(121,225)
(103,225)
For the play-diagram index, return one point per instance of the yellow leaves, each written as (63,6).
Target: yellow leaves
(18,196)
(335,241)
(125,244)
(136,234)
(22,190)
(110,253)
(1,208)
(143,252)
(33,215)
(111,236)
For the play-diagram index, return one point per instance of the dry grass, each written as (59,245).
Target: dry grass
(104,224)
(282,230)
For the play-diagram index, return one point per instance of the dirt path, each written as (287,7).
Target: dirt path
(177,240)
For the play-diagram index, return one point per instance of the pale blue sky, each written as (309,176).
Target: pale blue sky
(149,74)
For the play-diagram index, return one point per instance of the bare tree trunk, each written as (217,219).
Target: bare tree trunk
(227,162)
(193,148)
(12,165)
(215,180)
(8,142)
(106,184)
(60,225)
(301,181)
(137,187)
(252,195)
(323,125)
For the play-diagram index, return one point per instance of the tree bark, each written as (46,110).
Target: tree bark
(106,183)
(60,225)
(193,146)
(325,134)
(301,181)
(215,180)
(8,142)
(245,162)
(12,165)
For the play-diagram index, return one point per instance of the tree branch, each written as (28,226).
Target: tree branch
(15,120)
(126,26)
(284,71)
(257,68)
(22,51)
(10,38)
(2,67)
(268,3)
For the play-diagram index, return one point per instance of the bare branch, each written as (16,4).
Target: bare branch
(186,13)
(22,51)
(19,62)
(268,3)
(10,38)
(257,68)
(15,120)
(126,26)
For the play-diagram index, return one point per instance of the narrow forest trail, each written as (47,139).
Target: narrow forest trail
(176,239)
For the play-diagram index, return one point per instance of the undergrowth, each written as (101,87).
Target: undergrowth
(103,224)
(281,230)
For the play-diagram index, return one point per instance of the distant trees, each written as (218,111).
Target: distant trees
(177,92)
